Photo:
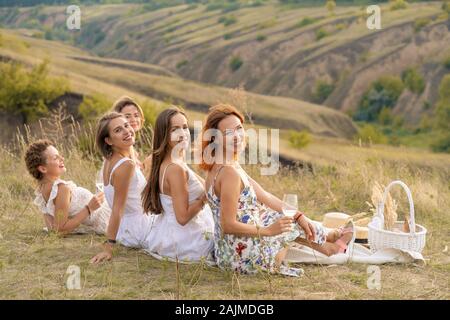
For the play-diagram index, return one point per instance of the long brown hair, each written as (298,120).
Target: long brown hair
(216,114)
(150,196)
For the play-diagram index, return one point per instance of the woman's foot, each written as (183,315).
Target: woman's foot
(335,234)
(346,235)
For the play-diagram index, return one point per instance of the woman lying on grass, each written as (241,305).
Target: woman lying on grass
(251,233)
(65,205)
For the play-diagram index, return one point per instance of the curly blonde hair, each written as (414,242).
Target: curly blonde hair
(35,157)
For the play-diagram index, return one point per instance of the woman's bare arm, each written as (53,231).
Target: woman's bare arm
(229,184)
(266,197)
(121,183)
(177,180)
(61,221)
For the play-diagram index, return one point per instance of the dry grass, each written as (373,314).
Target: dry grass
(390,206)
(33,264)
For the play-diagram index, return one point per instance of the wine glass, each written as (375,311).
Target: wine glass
(99,186)
(290,205)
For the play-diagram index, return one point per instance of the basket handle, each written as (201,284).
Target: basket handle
(412,223)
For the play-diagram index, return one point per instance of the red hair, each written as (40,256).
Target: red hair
(216,114)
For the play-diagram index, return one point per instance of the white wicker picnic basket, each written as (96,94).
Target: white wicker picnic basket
(380,238)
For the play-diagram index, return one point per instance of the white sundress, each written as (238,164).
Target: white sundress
(192,242)
(80,197)
(134,225)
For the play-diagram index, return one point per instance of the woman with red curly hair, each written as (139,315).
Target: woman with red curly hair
(251,233)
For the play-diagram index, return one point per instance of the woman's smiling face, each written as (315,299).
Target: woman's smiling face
(233,134)
(133,116)
(179,132)
(121,134)
(54,163)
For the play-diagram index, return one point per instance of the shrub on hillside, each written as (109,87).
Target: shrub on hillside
(368,134)
(413,80)
(94,106)
(28,92)
(227,36)
(441,143)
(182,64)
(330,5)
(151,111)
(398,4)
(299,139)
(235,63)
(322,90)
(260,37)
(446,6)
(306,21)
(321,33)
(420,23)
(383,93)
(121,43)
(385,116)
(442,117)
(227,20)
(446,62)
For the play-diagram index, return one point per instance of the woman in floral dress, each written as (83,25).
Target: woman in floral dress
(251,233)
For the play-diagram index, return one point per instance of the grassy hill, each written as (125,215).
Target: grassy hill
(270,48)
(113,78)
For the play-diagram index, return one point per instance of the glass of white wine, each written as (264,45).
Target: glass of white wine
(290,205)
(99,186)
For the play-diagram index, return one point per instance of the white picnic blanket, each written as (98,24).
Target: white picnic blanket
(357,254)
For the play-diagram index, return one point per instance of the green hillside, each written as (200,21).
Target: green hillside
(307,53)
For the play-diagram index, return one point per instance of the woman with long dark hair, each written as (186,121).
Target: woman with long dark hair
(175,193)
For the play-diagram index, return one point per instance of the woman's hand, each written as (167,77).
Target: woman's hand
(310,231)
(105,255)
(202,198)
(96,201)
(284,224)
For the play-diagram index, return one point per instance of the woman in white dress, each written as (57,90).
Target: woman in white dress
(183,228)
(66,207)
(124,183)
(135,117)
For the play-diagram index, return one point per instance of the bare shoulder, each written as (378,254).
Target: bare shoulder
(228,175)
(63,187)
(175,171)
(63,192)
(126,169)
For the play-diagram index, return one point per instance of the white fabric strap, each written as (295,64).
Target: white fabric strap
(118,163)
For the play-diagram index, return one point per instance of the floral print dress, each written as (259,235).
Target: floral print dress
(252,254)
